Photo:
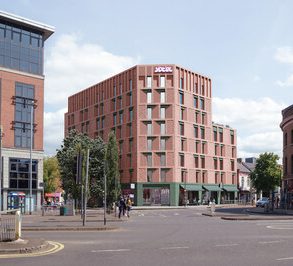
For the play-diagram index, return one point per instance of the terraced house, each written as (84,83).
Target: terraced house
(171,153)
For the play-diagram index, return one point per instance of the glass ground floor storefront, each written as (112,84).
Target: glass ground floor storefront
(174,194)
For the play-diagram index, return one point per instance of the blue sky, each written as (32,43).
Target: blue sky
(246,47)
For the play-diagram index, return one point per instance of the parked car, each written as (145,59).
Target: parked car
(262,202)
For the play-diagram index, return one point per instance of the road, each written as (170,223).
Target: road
(171,237)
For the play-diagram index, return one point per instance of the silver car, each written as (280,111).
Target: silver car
(262,202)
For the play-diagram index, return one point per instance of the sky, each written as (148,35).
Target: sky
(245,47)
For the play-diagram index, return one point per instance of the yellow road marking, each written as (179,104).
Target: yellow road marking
(56,247)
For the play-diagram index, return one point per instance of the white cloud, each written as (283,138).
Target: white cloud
(284,55)
(256,121)
(53,130)
(287,83)
(73,65)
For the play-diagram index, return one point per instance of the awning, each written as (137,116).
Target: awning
(190,187)
(212,188)
(230,188)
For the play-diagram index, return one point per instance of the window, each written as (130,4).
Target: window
(182,144)
(149,97)
(215,133)
(204,175)
(234,152)
(195,102)
(130,130)
(201,102)
(203,147)
(121,117)
(248,181)
(203,118)
(197,143)
(162,81)
(130,99)
(196,132)
(232,136)
(130,115)
(130,84)
(103,122)
(221,134)
(181,84)
(162,160)
(121,147)
(222,177)
(285,165)
(197,117)
(222,150)
(130,160)
(149,111)
(163,175)
(149,160)
(221,164)
(242,182)
(149,175)
(215,163)
(183,176)
(202,132)
(162,113)
(216,149)
(196,162)
(24,100)
(130,145)
(181,129)
(203,162)
(181,98)
(197,177)
(163,144)
(162,97)
(114,119)
(285,139)
(149,129)
(181,114)
(162,128)
(149,81)
(98,124)
(120,88)
(216,178)
(150,144)
(19,173)
(181,158)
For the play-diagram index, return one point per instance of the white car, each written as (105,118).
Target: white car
(262,202)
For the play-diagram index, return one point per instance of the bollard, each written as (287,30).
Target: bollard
(17,225)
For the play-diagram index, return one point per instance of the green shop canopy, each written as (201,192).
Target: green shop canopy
(230,188)
(212,188)
(190,187)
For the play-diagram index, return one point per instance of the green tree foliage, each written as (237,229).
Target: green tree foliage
(266,175)
(112,169)
(76,143)
(51,174)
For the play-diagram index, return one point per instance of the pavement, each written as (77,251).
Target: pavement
(52,221)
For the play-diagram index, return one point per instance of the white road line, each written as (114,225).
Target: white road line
(227,245)
(167,248)
(270,242)
(110,250)
(289,258)
(276,227)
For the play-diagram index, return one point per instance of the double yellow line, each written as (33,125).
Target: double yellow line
(55,247)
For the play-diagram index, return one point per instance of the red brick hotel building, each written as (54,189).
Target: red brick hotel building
(170,150)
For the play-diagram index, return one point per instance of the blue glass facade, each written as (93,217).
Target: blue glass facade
(21,49)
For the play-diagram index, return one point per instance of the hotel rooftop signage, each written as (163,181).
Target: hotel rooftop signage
(163,69)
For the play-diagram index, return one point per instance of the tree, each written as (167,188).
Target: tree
(51,174)
(266,175)
(74,144)
(112,169)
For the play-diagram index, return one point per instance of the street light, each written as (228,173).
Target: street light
(31,160)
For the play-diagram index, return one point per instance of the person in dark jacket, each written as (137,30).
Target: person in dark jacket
(121,206)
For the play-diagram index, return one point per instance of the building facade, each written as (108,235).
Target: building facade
(287,181)
(171,152)
(21,109)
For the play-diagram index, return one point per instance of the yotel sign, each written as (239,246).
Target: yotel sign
(163,69)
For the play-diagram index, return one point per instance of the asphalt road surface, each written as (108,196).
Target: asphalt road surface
(171,237)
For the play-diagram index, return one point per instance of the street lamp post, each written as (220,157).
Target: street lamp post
(31,160)
(105,193)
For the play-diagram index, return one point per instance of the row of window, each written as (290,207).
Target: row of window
(286,138)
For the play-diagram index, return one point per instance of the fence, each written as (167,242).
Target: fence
(7,228)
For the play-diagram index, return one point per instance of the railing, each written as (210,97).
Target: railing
(8,226)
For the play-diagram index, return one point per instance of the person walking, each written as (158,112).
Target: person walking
(121,206)
(128,206)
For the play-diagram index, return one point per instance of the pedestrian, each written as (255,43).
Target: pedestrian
(128,206)
(121,206)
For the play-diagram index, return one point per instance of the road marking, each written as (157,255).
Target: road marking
(56,247)
(110,250)
(270,242)
(281,227)
(176,213)
(289,258)
(227,245)
(167,248)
